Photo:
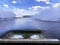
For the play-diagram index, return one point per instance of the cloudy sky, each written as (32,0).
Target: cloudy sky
(28,7)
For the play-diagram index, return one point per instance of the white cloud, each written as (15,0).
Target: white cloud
(14,2)
(42,0)
(6,5)
(46,1)
(50,13)
(31,11)
(39,7)
(56,5)
(22,12)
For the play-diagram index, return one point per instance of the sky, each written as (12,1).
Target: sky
(29,7)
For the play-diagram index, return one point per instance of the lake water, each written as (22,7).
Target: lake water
(51,28)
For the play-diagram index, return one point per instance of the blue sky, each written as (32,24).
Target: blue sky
(29,7)
(26,3)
